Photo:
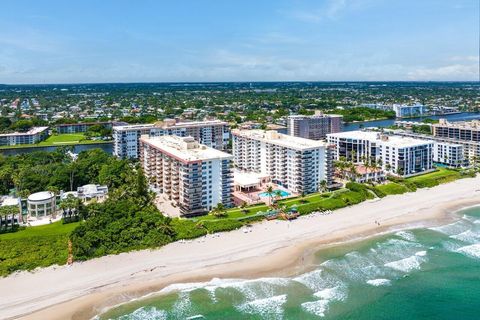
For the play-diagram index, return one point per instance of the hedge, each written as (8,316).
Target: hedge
(187,229)
(221,225)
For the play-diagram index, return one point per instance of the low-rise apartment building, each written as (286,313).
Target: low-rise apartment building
(459,130)
(408,111)
(194,176)
(402,156)
(451,152)
(34,135)
(84,126)
(314,127)
(298,164)
(212,133)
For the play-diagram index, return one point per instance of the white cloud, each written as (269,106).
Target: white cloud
(454,72)
(336,7)
(465,58)
(330,10)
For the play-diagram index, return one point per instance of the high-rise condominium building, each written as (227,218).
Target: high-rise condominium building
(214,133)
(314,127)
(196,177)
(297,164)
(402,156)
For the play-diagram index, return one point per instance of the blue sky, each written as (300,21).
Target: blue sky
(52,41)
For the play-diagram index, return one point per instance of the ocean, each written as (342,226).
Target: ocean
(429,273)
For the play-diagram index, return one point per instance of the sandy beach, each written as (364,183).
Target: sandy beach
(85,289)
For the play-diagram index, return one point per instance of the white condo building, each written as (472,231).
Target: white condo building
(450,154)
(295,163)
(448,151)
(32,136)
(195,177)
(408,111)
(212,133)
(402,156)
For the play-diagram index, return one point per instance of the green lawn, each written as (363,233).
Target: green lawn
(67,139)
(441,175)
(63,139)
(53,229)
(34,247)
(309,203)
(427,180)
(58,140)
(392,188)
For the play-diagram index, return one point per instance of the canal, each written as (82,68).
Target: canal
(464,116)
(107,147)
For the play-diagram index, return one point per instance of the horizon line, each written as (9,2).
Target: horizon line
(242,82)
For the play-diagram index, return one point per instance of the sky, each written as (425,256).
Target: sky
(85,41)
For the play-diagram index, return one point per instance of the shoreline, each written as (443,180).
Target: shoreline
(280,248)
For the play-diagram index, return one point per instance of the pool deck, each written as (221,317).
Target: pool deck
(253,196)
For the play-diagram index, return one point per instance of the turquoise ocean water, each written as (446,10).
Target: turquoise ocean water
(418,274)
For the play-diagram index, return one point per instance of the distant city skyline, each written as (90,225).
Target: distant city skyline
(88,41)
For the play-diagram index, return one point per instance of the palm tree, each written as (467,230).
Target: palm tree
(323,185)
(352,169)
(475,161)
(341,165)
(302,197)
(400,171)
(388,167)
(270,193)
(53,189)
(244,207)
(69,205)
(353,156)
(376,165)
(363,160)
(277,194)
(72,168)
(219,211)
(380,162)
(63,206)
(24,193)
(7,211)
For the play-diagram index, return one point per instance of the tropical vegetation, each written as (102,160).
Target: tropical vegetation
(129,220)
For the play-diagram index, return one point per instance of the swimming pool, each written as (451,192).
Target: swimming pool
(282,193)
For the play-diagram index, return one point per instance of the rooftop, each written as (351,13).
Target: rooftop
(317,114)
(171,123)
(274,126)
(474,124)
(391,140)
(9,201)
(115,123)
(185,148)
(134,126)
(40,196)
(422,136)
(280,139)
(247,179)
(167,123)
(90,189)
